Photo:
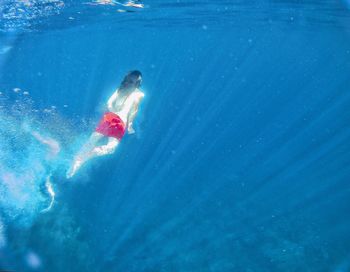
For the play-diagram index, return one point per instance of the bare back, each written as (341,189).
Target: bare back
(123,104)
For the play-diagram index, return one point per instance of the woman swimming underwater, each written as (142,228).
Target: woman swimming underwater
(122,109)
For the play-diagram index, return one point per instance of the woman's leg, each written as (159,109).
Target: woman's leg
(102,150)
(82,157)
(91,150)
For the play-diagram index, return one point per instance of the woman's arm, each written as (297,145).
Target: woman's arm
(132,114)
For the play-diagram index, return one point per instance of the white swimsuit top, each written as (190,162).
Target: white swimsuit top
(122,106)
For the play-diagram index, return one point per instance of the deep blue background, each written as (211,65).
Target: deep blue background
(241,157)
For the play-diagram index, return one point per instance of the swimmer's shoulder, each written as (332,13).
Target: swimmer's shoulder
(139,94)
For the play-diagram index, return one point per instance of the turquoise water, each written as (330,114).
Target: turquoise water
(240,161)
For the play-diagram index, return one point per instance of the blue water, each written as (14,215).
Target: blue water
(240,161)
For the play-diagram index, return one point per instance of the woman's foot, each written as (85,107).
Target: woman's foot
(74,168)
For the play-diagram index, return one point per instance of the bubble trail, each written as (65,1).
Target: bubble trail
(51,192)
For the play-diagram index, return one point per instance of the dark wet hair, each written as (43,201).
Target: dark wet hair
(133,77)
